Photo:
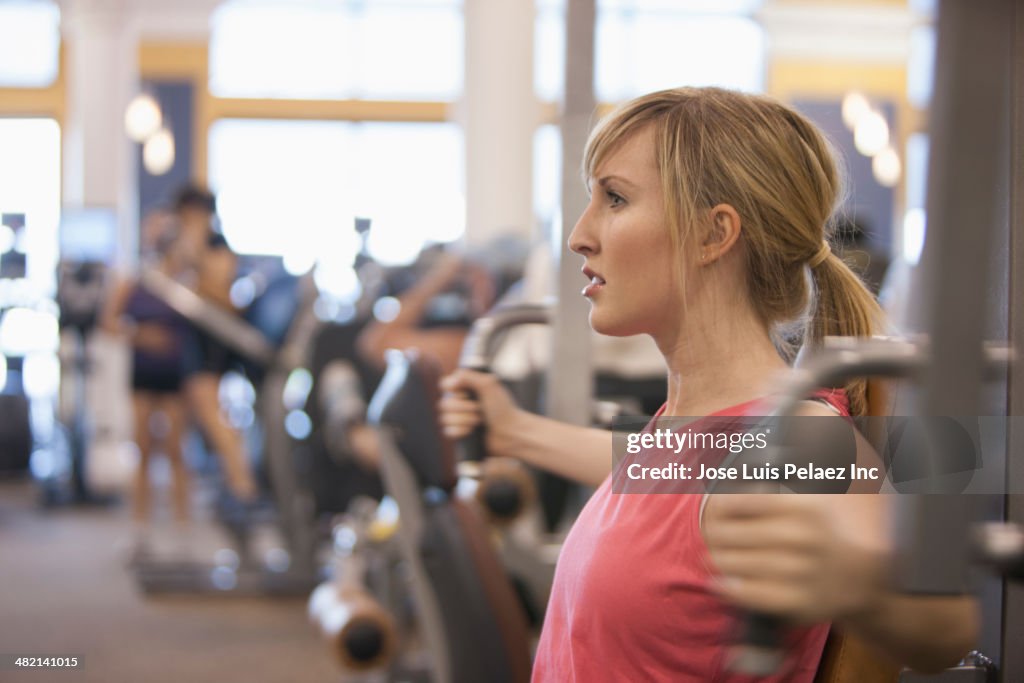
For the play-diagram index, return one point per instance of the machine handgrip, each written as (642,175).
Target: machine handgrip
(473,448)
(760,651)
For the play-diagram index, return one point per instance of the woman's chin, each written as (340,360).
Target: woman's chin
(610,327)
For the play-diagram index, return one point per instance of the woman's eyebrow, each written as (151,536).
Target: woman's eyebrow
(603,181)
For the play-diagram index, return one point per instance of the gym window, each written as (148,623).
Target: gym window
(29,43)
(646,45)
(294,188)
(350,49)
(30,186)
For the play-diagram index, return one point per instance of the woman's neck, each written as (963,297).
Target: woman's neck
(721,364)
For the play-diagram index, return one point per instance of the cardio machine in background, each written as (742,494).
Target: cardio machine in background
(471,533)
(15,426)
(271,340)
(73,455)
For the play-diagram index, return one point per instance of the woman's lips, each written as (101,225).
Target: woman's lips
(596,284)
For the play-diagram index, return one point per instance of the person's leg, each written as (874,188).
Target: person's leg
(173,406)
(142,407)
(201,390)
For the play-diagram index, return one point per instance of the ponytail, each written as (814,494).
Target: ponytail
(842,307)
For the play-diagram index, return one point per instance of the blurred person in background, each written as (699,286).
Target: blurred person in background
(157,335)
(210,267)
(433,316)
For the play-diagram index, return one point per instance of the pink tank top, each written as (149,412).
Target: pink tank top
(632,598)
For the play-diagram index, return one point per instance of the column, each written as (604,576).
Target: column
(499,113)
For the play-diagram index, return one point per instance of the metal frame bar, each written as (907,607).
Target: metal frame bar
(1013,596)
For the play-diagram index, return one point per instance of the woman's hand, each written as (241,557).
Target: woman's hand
(474,398)
(805,557)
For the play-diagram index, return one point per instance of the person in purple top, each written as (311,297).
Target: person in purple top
(157,336)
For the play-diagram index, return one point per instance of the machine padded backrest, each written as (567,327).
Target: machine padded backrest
(486,637)
(845,658)
(487,632)
(406,401)
(848,660)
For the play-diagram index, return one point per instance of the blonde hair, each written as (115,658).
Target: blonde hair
(715,146)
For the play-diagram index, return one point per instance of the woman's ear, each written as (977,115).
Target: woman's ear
(722,235)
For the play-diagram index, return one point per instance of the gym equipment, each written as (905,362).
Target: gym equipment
(841,359)
(15,433)
(506,489)
(467,610)
(971,196)
(360,632)
(506,494)
(270,351)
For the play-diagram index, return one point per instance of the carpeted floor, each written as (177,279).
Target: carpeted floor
(65,590)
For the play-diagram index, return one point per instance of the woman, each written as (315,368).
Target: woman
(212,268)
(707,229)
(157,335)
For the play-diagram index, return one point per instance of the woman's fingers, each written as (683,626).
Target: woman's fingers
(458,403)
(459,412)
(456,426)
(803,556)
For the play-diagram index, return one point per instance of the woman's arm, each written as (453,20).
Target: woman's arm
(578,453)
(112,316)
(828,557)
(403,332)
(814,557)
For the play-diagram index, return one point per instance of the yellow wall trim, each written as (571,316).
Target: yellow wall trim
(49,102)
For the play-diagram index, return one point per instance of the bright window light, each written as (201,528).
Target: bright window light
(639,52)
(30,184)
(720,7)
(914,230)
(29,43)
(917,170)
(348,49)
(412,52)
(547,173)
(410,180)
(41,374)
(646,45)
(281,183)
(549,51)
(921,66)
(24,331)
(294,188)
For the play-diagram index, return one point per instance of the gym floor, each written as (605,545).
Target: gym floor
(65,590)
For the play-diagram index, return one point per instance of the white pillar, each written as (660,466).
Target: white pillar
(102,76)
(99,171)
(499,113)
(570,377)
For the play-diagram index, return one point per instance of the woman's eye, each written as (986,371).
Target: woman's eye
(615,199)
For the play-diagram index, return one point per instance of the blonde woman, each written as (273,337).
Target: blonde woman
(708,229)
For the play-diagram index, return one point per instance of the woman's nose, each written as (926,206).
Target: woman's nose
(581,239)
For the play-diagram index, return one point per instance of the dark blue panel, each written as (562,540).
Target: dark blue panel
(176,101)
(869,202)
